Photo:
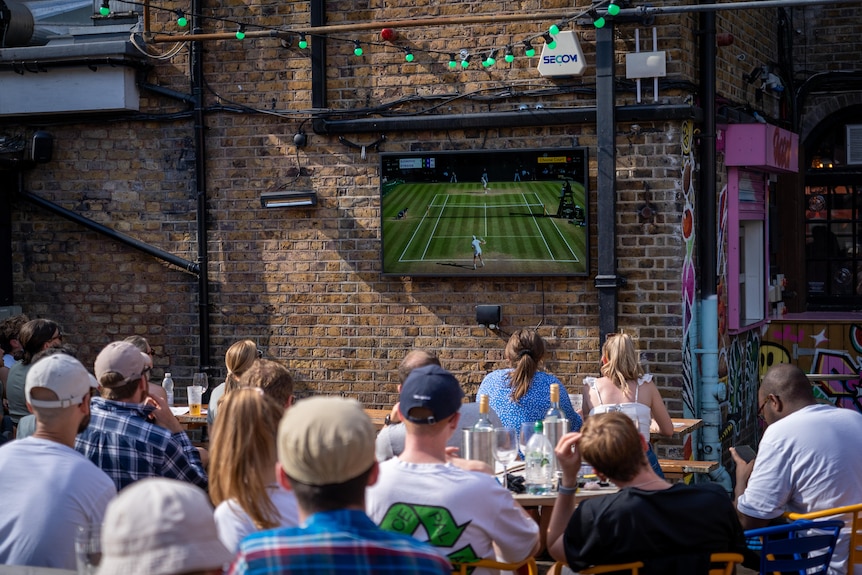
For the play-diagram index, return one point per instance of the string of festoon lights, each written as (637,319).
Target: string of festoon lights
(461,59)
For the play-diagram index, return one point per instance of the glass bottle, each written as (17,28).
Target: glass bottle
(168,385)
(539,463)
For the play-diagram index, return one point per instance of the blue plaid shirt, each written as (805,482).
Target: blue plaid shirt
(337,542)
(127,447)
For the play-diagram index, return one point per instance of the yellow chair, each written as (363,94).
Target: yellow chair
(855,523)
(633,568)
(530,563)
(730,561)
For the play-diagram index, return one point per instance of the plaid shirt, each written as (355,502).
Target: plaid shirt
(127,447)
(337,542)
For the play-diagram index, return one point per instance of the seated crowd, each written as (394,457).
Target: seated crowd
(309,486)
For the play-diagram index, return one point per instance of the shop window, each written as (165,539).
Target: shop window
(747,260)
(833,216)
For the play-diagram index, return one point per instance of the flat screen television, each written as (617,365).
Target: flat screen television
(526,210)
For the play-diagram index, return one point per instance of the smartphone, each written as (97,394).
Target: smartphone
(745,452)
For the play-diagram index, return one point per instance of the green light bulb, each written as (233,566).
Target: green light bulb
(530,52)
(491,61)
(182,21)
(240,35)
(104,10)
(613,9)
(599,23)
(464,64)
(303,43)
(357,51)
(554,29)
(552,44)
(409,57)
(509,58)
(453,64)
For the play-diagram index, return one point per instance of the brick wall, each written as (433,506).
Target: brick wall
(306,284)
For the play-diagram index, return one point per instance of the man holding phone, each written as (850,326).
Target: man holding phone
(809,457)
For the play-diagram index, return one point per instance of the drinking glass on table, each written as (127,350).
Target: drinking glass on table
(88,548)
(527,431)
(201,379)
(195,395)
(505,449)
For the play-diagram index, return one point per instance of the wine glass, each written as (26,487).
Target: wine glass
(202,380)
(505,448)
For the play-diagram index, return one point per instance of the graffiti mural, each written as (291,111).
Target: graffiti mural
(830,350)
(688,269)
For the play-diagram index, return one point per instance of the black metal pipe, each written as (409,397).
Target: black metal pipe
(318,55)
(181,263)
(197,87)
(607,282)
(515,118)
(188,99)
(707,224)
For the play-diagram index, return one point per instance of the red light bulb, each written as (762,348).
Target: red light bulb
(387,34)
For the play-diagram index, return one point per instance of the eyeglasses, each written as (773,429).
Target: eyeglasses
(762,405)
(151,353)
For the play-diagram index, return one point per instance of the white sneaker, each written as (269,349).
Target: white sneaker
(474,266)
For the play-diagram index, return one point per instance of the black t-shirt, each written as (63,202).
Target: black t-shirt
(672,531)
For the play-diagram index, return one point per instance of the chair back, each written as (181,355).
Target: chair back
(855,519)
(722,564)
(633,568)
(526,567)
(803,546)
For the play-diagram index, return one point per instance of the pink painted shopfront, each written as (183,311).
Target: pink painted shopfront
(788,241)
(755,154)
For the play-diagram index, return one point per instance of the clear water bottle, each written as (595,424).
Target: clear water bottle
(168,385)
(539,463)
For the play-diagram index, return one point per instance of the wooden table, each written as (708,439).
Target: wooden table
(25,570)
(530,500)
(377,417)
(681,426)
(192,421)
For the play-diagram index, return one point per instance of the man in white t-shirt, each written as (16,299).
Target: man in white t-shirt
(809,457)
(50,488)
(467,515)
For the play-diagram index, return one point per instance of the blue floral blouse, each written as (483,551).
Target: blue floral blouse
(532,406)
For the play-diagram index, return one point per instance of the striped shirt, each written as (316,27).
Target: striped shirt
(128,447)
(336,542)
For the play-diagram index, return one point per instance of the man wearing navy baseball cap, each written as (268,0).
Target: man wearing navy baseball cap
(465,514)
(430,394)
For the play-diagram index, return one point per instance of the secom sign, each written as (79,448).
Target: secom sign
(566,59)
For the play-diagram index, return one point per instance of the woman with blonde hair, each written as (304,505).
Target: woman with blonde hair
(239,357)
(522,392)
(242,481)
(624,386)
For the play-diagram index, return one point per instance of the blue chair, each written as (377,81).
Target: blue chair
(794,547)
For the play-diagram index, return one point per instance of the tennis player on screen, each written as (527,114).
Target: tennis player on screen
(477,244)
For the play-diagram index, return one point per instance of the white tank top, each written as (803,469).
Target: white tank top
(641,414)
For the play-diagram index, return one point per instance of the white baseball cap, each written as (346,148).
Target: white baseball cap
(62,374)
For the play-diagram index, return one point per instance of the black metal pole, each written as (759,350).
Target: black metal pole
(708,226)
(197,86)
(607,281)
